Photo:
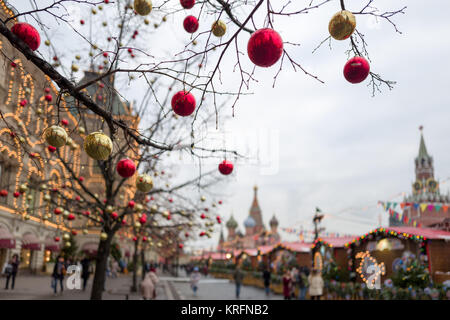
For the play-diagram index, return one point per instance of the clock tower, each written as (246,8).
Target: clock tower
(425,192)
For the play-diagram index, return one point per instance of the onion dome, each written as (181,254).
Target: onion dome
(273,221)
(249,222)
(232,224)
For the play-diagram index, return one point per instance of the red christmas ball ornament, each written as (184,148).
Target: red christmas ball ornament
(16,194)
(187,4)
(74,232)
(77,198)
(206,209)
(106,1)
(183,104)
(152,198)
(202,233)
(81,21)
(143,219)
(134,239)
(190,24)
(81,179)
(265,47)
(220,201)
(64,122)
(105,54)
(126,168)
(203,216)
(48,97)
(101,85)
(356,70)
(47,90)
(56,239)
(180,246)
(147,199)
(13,64)
(114,215)
(87,213)
(3,193)
(186,234)
(71,217)
(28,34)
(170,200)
(131,204)
(124,222)
(226,167)
(51,149)
(130,50)
(218,219)
(144,238)
(104,201)
(57,211)
(23,103)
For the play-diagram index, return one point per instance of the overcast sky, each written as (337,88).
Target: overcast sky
(333,145)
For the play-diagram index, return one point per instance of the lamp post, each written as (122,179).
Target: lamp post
(318,216)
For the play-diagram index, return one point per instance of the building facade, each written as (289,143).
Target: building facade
(33,180)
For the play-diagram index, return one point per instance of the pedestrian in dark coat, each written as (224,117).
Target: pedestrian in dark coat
(267,277)
(85,264)
(11,268)
(59,271)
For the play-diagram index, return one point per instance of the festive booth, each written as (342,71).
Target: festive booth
(290,254)
(400,247)
(331,250)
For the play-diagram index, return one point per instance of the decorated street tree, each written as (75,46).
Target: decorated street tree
(111,153)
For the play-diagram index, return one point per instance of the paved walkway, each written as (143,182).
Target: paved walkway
(210,288)
(38,288)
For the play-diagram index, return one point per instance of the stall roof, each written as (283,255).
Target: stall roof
(424,232)
(296,246)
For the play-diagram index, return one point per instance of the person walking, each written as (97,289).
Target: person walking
(302,284)
(287,283)
(195,278)
(58,274)
(148,285)
(85,272)
(315,285)
(294,279)
(10,270)
(238,277)
(114,268)
(267,277)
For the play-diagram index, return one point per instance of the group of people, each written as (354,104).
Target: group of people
(10,271)
(60,270)
(303,280)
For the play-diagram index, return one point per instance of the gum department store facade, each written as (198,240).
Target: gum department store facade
(27,223)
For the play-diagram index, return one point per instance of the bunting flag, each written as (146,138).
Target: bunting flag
(423,206)
(430,207)
(438,207)
(416,205)
(388,204)
(394,204)
(402,205)
(445,208)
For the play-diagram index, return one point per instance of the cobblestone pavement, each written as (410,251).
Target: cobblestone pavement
(217,289)
(38,288)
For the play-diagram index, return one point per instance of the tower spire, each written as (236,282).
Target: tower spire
(422,148)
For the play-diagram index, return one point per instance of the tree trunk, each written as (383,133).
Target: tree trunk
(143,263)
(135,260)
(103,251)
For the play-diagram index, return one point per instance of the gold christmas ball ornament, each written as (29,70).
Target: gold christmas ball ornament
(26,217)
(78,57)
(109,209)
(75,68)
(39,111)
(66,237)
(30,197)
(81,130)
(67,244)
(137,225)
(47,42)
(66,213)
(55,136)
(85,231)
(103,236)
(144,183)
(139,207)
(154,209)
(23,188)
(98,146)
(143,7)
(219,28)
(146,21)
(342,25)
(203,198)
(47,198)
(166,214)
